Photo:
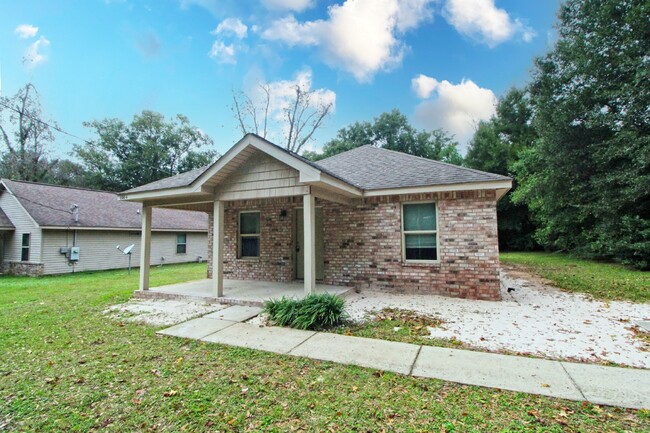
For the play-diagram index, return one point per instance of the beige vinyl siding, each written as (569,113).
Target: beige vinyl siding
(98,249)
(263,174)
(24,224)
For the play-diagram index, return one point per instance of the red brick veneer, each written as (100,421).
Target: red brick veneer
(363,245)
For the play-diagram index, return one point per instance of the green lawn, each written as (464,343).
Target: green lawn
(602,280)
(64,366)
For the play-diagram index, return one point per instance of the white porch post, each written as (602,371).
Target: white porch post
(145,247)
(217,248)
(309,244)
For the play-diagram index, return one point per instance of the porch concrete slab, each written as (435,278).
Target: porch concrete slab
(612,386)
(238,292)
(196,328)
(269,338)
(364,352)
(236,313)
(515,373)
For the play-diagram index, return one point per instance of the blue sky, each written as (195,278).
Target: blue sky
(442,63)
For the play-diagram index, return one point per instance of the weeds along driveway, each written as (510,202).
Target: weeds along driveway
(534,319)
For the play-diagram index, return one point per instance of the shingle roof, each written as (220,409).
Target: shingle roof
(369,167)
(5,222)
(182,179)
(365,167)
(49,205)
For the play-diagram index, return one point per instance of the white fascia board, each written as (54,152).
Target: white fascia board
(157,194)
(123,229)
(496,184)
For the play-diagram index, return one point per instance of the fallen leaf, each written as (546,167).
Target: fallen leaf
(170,393)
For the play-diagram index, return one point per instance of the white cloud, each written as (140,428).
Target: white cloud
(457,108)
(423,85)
(26,31)
(359,36)
(223,53)
(33,54)
(288,5)
(231,26)
(483,21)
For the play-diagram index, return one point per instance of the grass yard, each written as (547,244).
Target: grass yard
(602,280)
(64,366)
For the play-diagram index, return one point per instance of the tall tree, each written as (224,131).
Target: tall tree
(148,149)
(496,147)
(393,131)
(26,136)
(301,115)
(587,179)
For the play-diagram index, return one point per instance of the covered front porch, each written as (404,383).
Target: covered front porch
(237,292)
(264,206)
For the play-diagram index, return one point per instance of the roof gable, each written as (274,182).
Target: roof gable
(206,179)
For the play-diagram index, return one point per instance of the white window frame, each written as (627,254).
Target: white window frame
(240,236)
(27,247)
(179,243)
(420,232)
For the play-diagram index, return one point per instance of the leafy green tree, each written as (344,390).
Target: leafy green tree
(26,136)
(495,147)
(67,173)
(148,149)
(393,131)
(587,179)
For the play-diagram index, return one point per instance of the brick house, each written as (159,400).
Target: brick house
(368,218)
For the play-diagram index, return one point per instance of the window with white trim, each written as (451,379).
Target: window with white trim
(419,232)
(181,243)
(24,251)
(249,234)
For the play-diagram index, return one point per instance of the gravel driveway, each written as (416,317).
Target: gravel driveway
(535,318)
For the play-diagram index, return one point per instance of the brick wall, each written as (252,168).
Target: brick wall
(363,245)
(276,240)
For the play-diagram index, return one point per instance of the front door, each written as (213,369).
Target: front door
(300,239)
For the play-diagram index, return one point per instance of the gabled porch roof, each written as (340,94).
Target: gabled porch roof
(202,185)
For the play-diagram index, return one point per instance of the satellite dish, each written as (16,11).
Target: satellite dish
(128,249)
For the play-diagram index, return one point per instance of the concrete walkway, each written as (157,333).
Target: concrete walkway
(625,387)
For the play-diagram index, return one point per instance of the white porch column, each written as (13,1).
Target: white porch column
(145,247)
(217,248)
(309,244)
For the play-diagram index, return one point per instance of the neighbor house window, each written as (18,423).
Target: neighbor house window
(24,253)
(249,234)
(181,243)
(419,232)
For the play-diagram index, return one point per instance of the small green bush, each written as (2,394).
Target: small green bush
(316,311)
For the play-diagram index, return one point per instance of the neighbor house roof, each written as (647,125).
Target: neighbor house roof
(371,168)
(50,206)
(5,222)
(366,168)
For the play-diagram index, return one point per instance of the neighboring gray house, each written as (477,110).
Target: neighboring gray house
(50,229)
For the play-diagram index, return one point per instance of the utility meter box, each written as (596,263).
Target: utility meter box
(74,254)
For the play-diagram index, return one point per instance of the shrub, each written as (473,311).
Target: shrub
(316,311)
